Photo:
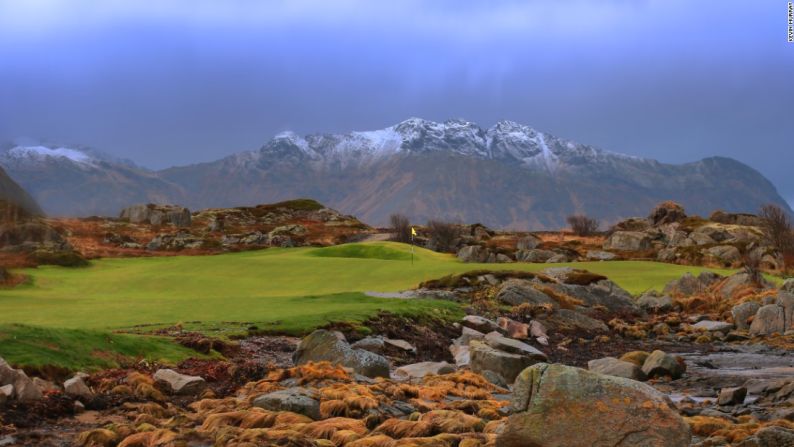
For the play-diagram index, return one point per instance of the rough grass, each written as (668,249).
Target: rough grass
(362,251)
(288,290)
(86,350)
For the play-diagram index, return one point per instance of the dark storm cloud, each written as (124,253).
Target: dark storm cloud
(175,82)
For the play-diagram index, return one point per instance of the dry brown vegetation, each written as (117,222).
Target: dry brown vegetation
(450,410)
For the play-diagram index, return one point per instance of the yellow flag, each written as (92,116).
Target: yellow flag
(413,231)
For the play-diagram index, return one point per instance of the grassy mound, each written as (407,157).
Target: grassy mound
(362,251)
(85,350)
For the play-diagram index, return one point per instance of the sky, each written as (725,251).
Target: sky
(170,82)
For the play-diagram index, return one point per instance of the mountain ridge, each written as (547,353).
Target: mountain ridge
(508,175)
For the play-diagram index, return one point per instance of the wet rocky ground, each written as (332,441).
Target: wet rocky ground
(564,351)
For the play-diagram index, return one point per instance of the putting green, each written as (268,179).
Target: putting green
(280,289)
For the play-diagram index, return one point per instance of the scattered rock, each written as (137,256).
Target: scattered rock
(534,255)
(742,312)
(419,370)
(76,387)
(480,324)
(157,214)
(473,253)
(557,405)
(497,341)
(297,400)
(6,394)
(598,255)
(618,368)
(772,436)
(528,242)
(371,344)
(468,334)
(513,329)
(178,383)
(628,241)
(713,326)
(689,285)
(732,396)
(659,363)
(400,344)
(322,345)
(484,358)
(667,212)
(768,320)
(519,291)
(538,331)
(652,301)
(726,254)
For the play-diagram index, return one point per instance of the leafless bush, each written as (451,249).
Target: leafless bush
(777,227)
(402,228)
(751,261)
(582,225)
(444,236)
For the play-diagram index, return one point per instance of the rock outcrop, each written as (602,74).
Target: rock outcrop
(557,405)
(322,345)
(155,214)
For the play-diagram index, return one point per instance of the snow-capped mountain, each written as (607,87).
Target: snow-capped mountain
(508,175)
(81,181)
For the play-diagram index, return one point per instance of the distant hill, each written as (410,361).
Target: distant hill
(507,176)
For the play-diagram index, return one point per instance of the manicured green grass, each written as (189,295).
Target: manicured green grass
(84,349)
(282,289)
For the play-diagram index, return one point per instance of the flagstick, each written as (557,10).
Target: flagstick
(412,249)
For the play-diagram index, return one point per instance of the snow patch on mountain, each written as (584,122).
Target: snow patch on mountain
(39,152)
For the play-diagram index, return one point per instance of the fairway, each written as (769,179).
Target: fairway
(289,290)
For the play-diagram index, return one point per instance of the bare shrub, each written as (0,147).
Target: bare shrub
(444,236)
(582,225)
(751,263)
(777,227)
(402,228)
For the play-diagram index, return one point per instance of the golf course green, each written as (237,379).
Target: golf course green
(290,290)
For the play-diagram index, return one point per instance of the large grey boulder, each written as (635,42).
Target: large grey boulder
(689,285)
(713,326)
(534,255)
(322,345)
(76,387)
(615,367)
(562,406)
(603,293)
(726,254)
(599,255)
(660,363)
(738,280)
(768,320)
(628,241)
(742,312)
(571,320)
(297,400)
(652,301)
(6,394)
(507,365)
(520,291)
(24,389)
(786,301)
(473,253)
(772,436)
(528,242)
(421,369)
(788,286)
(157,214)
(497,341)
(480,324)
(181,384)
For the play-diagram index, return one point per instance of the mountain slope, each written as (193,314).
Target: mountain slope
(509,176)
(15,202)
(68,181)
